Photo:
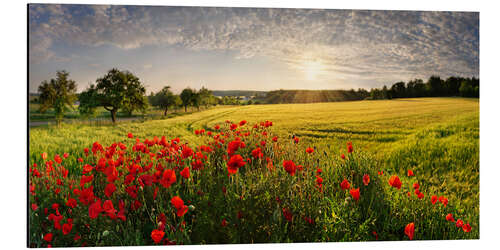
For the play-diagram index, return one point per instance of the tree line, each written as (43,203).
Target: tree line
(434,87)
(115,91)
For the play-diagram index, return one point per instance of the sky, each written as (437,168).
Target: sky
(249,48)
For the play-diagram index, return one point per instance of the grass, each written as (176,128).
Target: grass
(438,138)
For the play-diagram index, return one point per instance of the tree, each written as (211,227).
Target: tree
(398,90)
(186,97)
(165,99)
(196,100)
(59,94)
(117,90)
(205,96)
(435,86)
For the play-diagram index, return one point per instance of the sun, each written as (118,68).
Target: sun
(312,69)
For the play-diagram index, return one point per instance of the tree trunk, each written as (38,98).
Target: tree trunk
(186,108)
(165,113)
(113,115)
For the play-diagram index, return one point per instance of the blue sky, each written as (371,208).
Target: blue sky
(248,48)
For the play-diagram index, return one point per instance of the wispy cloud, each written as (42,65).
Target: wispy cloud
(358,45)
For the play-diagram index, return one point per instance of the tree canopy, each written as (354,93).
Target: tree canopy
(117,90)
(59,94)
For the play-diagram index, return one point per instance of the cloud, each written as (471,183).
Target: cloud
(364,45)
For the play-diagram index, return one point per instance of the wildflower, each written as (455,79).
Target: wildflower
(344,184)
(130,135)
(44,155)
(275,139)
(416,185)
(395,181)
(234,163)
(178,203)
(57,159)
(410,172)
(48,237)
(109,209)
(257,153)
(466,227)
(460,223)
(410,230)
(355,193)
(157,235)
(168,178)
(342,156)
(243,122)
(95,209)
(449,217)
(132,191)
(66,227)
(319,180)
(71,203)
(34,206)
(309,150)
(366,179)
(434,199)
(185,173)
(289,167)
(349,148)
(319,171)
(287,214)
(223,223)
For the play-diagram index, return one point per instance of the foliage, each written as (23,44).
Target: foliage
(58,94)
(114,91)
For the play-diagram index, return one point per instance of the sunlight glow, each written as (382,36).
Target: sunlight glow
(312,69)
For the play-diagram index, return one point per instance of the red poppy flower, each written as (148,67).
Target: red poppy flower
(130,135)
(233,126)
(309,150)
(434,199)
(57,159)
(66,228)
(296,139)
(44,156)
(217,127)
(95,209)
(416,185)
(287,214)
(71,203)
(366,179)
(223,223)
(449,217)
(395,181)
(410,230)
(87,168)
(34,206)
(345,184)
(420,195)
(319,180)
(243,122)
(342,156)
(132,191)
(466,228)
(355,193)
(157,235)
(185,173)
(257,153)
(289,167)
(177,202)
(48,237)
(234,163)
(109,209)
(460,223)
(444,201)
(275,139)
(410,172)
(168,178)
(349,148)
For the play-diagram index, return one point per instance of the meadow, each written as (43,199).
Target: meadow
(436,138)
